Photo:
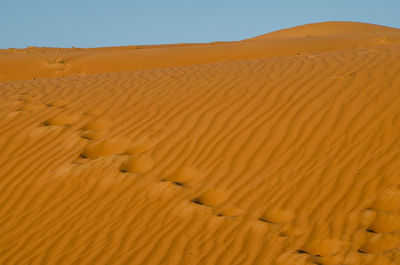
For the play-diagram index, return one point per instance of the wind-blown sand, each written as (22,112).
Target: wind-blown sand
(280,149)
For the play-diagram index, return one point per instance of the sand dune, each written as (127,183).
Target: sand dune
(36,63)
(283,149)
(329,29)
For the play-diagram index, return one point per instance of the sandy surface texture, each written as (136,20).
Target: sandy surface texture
(282,149)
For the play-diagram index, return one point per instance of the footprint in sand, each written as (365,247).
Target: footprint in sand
(211,198)
(383,224)
(230,211)
(185,176)
(277,216)
(322,251)
(379,242)
(63,119)
(95,129)
(138,164)
(104,147)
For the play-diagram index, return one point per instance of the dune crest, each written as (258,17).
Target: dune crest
(332,28)
(37,63)
(261,151)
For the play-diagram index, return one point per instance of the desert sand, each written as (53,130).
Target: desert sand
(281,149)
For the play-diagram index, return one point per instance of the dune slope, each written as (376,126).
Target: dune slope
(332,28)
(36,63)
(284,159)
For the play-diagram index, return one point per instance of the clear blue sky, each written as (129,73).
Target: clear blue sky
(94,23)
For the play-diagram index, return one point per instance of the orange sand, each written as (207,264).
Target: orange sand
(281,149)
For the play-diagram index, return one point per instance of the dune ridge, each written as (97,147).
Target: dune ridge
(36,63)
(285,159)
(330,28)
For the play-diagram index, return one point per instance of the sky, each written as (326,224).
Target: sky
(99,23)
